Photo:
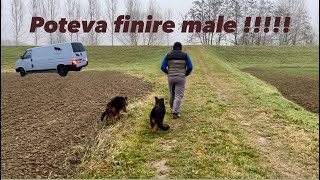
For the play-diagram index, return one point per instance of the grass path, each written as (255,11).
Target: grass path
(287,149)
(223,133)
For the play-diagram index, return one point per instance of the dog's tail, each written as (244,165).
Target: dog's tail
(103,115)
(163,127)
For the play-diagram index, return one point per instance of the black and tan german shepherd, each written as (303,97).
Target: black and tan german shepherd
(114,107)
(157,115)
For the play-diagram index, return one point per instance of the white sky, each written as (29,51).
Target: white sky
(178,7)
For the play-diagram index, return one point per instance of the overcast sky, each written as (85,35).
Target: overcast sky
(178,7)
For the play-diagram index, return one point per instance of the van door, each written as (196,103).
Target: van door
(27,60)
(80,54)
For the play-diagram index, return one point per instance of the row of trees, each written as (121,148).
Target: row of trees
(134,9)
(93,10)
(301,30)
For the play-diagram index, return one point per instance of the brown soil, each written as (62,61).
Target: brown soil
(303,91)
(47,121)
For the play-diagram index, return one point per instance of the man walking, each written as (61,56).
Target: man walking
(177,65)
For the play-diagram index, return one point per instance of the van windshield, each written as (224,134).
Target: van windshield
(27,55)
(77,47)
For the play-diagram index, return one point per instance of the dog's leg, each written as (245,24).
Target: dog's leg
(154,129)
(118,115)
(107,118)
(103,115)
(152,123)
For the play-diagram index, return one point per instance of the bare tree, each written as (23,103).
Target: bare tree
(236,13)
(2,27)
(263,9)
(301,31)
(316,15)
(34,9)
(155,11)
(112,7)
(133,8)
(317,18)
(215,9)
(266,9)
(78,16)
(168,16)
(70,9)
(221,8)
(58,36)
(1,8)
(249,9)
(97,16)
(17,11)
(50,11)
(198,12)
(203,11)
(93,12)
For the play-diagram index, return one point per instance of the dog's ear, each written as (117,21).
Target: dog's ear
(156,98)
(126,98)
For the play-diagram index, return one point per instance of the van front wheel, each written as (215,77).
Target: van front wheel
(62,70)
(22,72)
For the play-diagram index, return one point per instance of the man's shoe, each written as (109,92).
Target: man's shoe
(176,116)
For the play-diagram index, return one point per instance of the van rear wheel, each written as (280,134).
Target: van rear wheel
(62,70)
(22,72)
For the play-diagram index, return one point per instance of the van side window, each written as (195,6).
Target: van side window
(77,47)
(27,55)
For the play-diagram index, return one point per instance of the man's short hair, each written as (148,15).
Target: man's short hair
(177,45)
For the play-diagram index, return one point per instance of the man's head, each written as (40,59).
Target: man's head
(177,45)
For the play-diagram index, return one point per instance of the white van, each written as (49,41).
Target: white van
(61,58)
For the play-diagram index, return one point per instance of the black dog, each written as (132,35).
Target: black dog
(114,107)
(157,116)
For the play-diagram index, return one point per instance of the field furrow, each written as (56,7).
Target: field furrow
(233,125)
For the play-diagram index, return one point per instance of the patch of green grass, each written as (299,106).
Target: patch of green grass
(141,61)
(257,109)
(218,149)
(275,60)
(202,143)
(9,56)
(208,141)
(301,72)
(268,56)
(295,61)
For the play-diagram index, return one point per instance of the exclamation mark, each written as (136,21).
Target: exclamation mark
(277,24)
(286,24)
(267,24)
(247,25)
(257,24)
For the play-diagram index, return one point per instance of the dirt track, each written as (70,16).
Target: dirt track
(303,91)
(46,120)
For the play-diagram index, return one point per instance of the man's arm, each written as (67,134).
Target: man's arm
(189,65)
(164,65)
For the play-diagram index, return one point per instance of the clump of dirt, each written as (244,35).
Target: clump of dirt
(303,91)
(47,121)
